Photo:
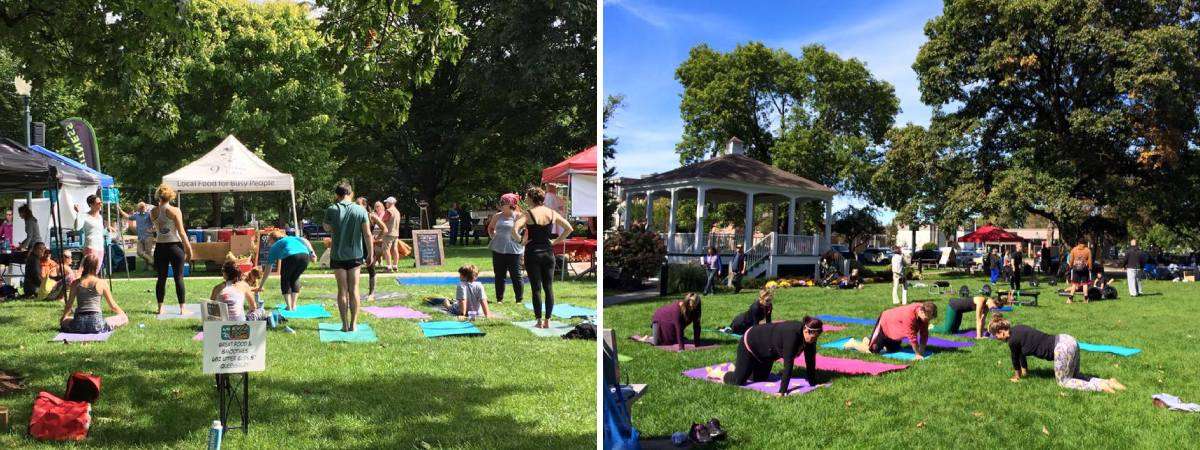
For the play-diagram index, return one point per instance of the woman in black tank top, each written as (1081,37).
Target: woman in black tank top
(539,252)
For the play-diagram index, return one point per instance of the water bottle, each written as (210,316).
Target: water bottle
(214,435)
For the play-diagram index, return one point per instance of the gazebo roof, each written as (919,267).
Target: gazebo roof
(735,168)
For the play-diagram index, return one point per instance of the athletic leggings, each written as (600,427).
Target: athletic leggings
(1066,366)
(370,279)
(508,265)
(290,269)
(539,264)
(747,368)
(169,254)
(880,342)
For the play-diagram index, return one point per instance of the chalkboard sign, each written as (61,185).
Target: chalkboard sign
(427,248)
(264,248)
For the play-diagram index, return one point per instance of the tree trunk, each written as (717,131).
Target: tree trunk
(214,215)
(239,209)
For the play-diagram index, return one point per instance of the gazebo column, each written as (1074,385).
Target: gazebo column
(827,240)
(628,219)
(701,215)
(791,226)
(649,210)
(671,220)
(749,238)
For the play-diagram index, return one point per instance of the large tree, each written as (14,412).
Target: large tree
(857,225)
(817,115)
(1084,112)
(521,97)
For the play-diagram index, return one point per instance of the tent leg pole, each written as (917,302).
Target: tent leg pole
(295,217)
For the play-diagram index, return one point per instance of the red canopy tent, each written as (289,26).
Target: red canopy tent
(583,163)
(990,233)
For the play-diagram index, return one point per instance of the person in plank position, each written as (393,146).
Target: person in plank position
(908,321)
(959,306)
(1063,349)
(670,320)
(763,344)
(759,311)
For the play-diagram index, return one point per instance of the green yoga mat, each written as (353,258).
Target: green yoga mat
(309,311)
(332,332)
(449,328)
(557,329)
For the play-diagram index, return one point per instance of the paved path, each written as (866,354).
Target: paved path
(631,296)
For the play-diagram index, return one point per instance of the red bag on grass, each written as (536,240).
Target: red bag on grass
(55,419)
(83,387)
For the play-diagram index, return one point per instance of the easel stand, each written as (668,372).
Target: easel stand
(228,397)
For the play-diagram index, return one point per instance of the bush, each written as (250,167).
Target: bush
(638,254)
(929,246)
(685,278)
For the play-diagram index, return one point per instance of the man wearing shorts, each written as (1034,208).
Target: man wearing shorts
(350,248)
(391,255)
(1080,265)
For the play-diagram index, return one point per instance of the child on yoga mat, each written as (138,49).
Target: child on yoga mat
(959,306)
(235,292)
(469,298)
(763,344)
(908,321)
(1026,341)
(759,311)
(669,321)
(85,295)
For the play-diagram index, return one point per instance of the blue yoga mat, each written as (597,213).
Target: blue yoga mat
(1116,350)
(567,310)
(903,355)
(449,328)
(309,311)
(1006,308)
(845,319)
(332,332)
(441,281)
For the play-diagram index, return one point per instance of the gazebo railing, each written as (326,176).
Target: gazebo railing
(681,243)
(796,245)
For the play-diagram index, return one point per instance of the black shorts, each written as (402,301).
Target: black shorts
(347,264)
(1080,275)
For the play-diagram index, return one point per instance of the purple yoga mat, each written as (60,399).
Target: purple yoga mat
(672,347)
(851,366)
(797,386)
(72,337)
(971,334)
(395,312)
(935,341)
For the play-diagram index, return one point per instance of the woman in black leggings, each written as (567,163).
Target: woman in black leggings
(171,248)
(764,344)
(292,254)
(539,251)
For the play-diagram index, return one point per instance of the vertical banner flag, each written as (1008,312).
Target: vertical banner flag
(81,141)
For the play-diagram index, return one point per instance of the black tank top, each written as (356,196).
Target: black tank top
(539,236)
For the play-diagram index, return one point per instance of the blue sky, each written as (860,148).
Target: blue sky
(644,41)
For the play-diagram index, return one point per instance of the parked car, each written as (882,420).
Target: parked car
(967,258)
(840,248)
(314,231)
(875,256)
(927,257)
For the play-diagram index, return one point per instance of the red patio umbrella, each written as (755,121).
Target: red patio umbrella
(990,233)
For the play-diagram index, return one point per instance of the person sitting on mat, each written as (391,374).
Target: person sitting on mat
(469,297)
(759,311)
(908,321)
(669,321)
(1063,349)
(959,306)
(763,344)
(1100,288)
(236,293)
(84,295)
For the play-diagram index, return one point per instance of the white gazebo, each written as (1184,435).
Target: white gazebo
(734,177)
(231,167)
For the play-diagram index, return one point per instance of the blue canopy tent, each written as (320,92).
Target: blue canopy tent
(105,180)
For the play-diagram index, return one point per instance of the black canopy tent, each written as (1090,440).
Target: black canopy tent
(23,171)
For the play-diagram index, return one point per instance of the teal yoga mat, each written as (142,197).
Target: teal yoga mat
(1116,350)
(332,332)
(557,329)
(449,328)
(845,319)
(309,311)
(903,355)
(567,310)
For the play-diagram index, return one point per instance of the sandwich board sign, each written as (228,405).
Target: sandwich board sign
(427,248)
(234,346)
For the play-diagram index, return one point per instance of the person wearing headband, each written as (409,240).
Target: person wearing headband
(506,249)
(764,344)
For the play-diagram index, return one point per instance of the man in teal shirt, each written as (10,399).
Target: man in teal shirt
(351,246)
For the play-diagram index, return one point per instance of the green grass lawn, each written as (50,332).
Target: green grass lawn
(456,256)
(508,389)
(958,399)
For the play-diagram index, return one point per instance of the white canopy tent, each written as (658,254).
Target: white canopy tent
(231,167)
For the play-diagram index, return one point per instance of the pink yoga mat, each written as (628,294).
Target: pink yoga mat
(395,312)
(72,337)
(851,366)
(672,347)
(828,328)
(198,337)
(796,386)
